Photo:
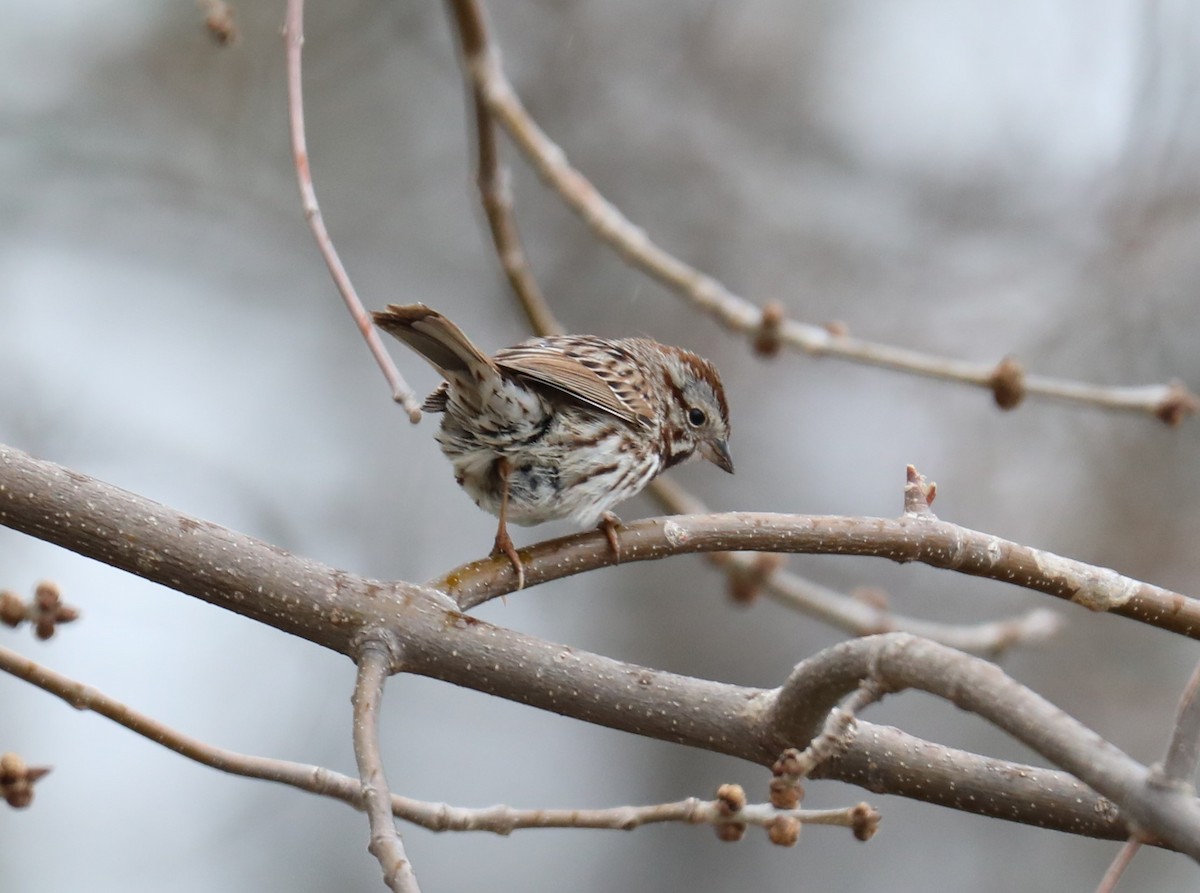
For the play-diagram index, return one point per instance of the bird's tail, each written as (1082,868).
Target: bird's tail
(435,338)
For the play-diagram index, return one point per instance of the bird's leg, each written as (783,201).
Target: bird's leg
(504,544)
(609,524)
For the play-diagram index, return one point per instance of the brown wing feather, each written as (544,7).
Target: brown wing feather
(592,370)
(434,337)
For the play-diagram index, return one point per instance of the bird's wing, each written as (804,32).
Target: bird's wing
(592,370)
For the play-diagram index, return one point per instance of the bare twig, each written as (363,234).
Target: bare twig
(838,728)
(313,779)
(324,782)
(1183,752)
(375,663)
(692,811)
(835,737)
(1120,862)
(861,618)
(1007,381)
(293,36)
(494,179)
(733,815)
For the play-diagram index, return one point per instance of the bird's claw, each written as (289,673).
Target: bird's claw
(609,524)
(504,546)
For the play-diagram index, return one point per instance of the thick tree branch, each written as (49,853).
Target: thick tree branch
(883,759)
(333,608)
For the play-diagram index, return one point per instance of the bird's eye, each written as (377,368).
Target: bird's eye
(696,417)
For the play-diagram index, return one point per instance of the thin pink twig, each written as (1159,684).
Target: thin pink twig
(293,36)
(1120,862)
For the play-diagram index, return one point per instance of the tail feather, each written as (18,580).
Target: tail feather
(434,337)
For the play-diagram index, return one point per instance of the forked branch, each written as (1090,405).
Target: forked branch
(333,608)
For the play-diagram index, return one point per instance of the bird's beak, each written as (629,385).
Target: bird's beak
(717,452)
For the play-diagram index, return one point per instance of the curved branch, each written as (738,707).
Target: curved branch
(859,619)
(935,543)
(899,661)
(293,36)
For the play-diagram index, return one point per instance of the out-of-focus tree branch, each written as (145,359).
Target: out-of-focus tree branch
(768,327)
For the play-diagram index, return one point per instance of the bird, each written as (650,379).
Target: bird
(563,426)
